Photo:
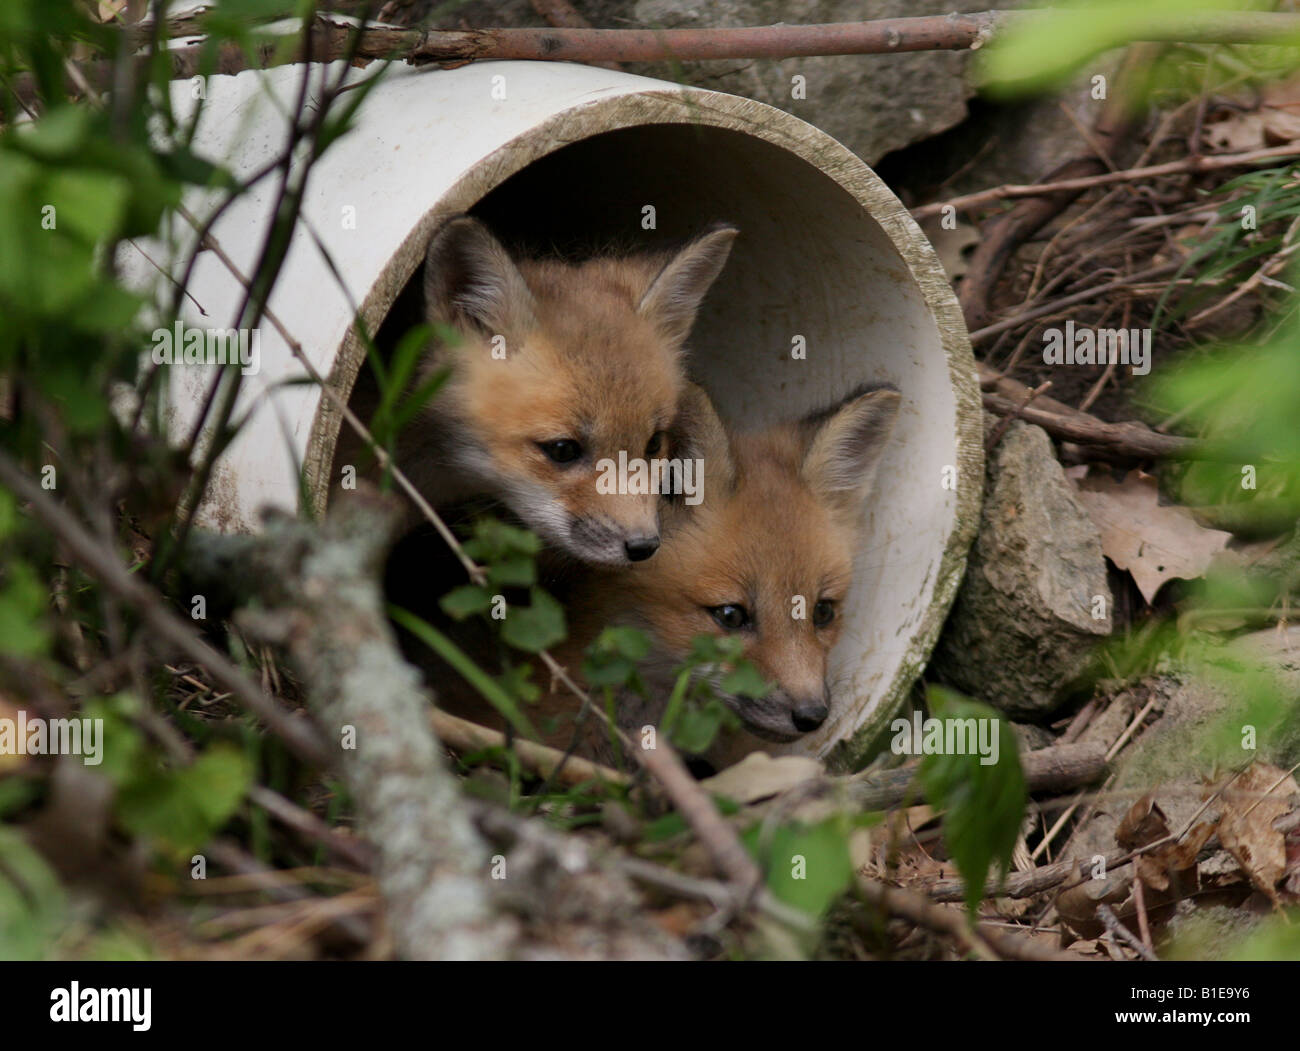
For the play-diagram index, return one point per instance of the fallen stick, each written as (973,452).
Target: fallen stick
(330,36)
(1007,421)
(1019,884)
(982,940)
(317,595)
(1130,440)
(1052,769)
(1122,933)
(461,735)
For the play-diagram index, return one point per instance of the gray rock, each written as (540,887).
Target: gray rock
(1246,694)
(871,103)
(1022,628)
(1197,726)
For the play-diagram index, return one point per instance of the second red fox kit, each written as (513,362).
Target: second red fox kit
(558,369)
(766,557)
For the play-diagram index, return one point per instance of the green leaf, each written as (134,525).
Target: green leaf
(1042,50)
(808,866)
(665,827)
(491,690)
(23,630)
(89,204)
(465,601)
(494,541)
(695,728)
(33,904)
(745,680)
(983,803)
(612,657)
(516,571)
(516,680)
(182,809)
(535,627)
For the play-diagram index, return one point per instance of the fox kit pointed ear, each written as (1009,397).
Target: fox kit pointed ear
(847,443)
(470,281)
(698,434)
(679,288)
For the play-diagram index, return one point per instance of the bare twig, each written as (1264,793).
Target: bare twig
(1188,165)
(951,32)
(1122,933)
(563,15)
(1081,296)
(1127,440)
(1006,232)
(982,940)
(1011,417)
(298,734)
(1113,751)
(464,736)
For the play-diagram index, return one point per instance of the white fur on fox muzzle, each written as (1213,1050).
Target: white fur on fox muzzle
(779,717)
(605,542)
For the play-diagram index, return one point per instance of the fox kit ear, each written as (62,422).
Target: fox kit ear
(698,434)
(846,445)
(677,291)
(470,281)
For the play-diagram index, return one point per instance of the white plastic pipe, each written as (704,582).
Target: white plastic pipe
(828,260)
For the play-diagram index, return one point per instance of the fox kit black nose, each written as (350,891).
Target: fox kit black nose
(809,718)
(642,548)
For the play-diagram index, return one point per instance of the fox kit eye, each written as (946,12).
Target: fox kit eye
(655,443)
(564,450)
(823,613)
(730,616)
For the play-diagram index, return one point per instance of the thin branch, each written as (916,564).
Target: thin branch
(1011,417)
(981,940)
(461,735)
(952,32)
(299,735)
(1122,933)
(1188,165)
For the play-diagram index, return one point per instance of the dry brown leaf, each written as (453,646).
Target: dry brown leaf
(1283,93)
(1280,126)
(1246,827)
(1173,868)
(1236,133)
(1154,543)
(759,776)
(1267,126)
(1291,882)
(1144,823)
(1170,866)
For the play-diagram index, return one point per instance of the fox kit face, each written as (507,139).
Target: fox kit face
(560,369)
(769,558)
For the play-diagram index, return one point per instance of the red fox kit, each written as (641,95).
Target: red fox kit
(559,368)
(766,557)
